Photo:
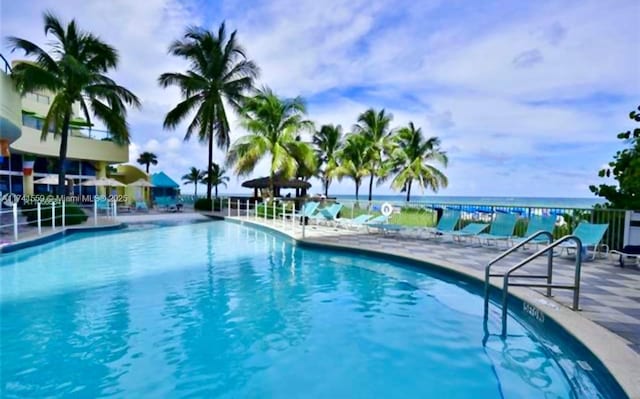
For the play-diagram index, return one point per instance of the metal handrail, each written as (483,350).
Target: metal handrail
(7,65)
(487,270)
(549,248)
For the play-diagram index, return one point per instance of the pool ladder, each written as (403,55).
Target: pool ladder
(549,285)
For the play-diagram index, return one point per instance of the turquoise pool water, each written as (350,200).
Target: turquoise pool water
(222,310)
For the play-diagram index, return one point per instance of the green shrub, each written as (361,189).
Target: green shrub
(72,212)
(202,204)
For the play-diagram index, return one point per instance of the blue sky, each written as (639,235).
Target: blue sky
(526,96)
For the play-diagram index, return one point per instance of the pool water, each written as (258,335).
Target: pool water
(223,310)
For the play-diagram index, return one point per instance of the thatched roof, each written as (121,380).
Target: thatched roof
(278,182)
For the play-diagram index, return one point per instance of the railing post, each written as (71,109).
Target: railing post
(15,221)
(273,217)
(576,283)
(229,206)
(53,215)
(255,208)
(247,210)
(115,208)
(303,218)
(284,209)
(95,212)
(63,215)
(549,269)
(293,217)
(238,204)
(39,217)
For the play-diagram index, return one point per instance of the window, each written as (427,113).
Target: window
(35,123)
(38,98)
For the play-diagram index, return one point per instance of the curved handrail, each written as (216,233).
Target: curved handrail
(550,247)
(487,270)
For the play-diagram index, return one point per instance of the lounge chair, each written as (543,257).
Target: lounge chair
(446,224)
(470,230)
(590,235)
(629,252)
(501,229)
(356,222)
(307,210)
(536,224)
(141,206)
(168,203)
(328,214)
(102,204)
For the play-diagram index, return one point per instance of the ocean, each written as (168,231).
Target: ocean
(542,202)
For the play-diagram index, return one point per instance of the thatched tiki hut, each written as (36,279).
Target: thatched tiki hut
(263,184)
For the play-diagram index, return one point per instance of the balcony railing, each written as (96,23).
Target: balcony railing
(75,131)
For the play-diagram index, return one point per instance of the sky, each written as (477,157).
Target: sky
(526,97)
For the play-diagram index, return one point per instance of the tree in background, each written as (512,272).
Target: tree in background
(374,126)
(217,177)
(194,177)
(412,159)
(146,159)
(273,125)
(327,141)
(625,169)
(354,160)
(74,71)
(219,73)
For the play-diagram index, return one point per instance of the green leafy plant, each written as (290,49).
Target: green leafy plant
(73,214)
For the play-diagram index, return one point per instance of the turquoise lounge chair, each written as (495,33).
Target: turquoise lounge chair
(446,224)
(308,210)
(501,229)
(381,223)
(358,221)
(470,230)
(328,214)
(103,205)
(536,224)
(141,206)
(591,236)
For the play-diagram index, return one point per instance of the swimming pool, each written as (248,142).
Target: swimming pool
(223,310)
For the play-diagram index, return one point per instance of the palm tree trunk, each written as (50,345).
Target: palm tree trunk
(210,170)
(409,190)
(357,189)
(148,167)
(64,142)
(371,188)
(326,187)
(195,190)
(216,186)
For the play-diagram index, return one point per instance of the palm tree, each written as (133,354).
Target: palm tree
(273,124)
(194,177)
(219,72)
(411,160)
(147,158)
(218,177)
(327,141)
(354,160)
(374,126)
(75,70)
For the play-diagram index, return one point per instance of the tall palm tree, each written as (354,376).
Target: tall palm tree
(273,124)
(354,160)
(147,158)
(374,126)
(327,141)
(412,158)
(218,177)
(194,177)
(75,71)
(219,72)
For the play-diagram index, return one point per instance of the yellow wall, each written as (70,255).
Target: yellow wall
(10,105)
(80,148)
(127,174)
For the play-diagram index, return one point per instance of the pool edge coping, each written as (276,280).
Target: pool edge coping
(56,235)
(608,347)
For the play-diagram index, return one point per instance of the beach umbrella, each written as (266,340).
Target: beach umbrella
(140,183)
(102,182)
(49,179)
